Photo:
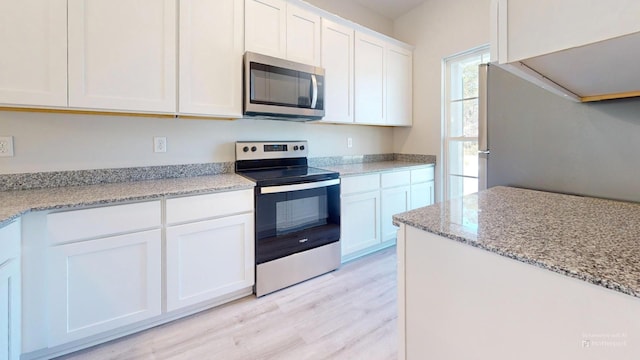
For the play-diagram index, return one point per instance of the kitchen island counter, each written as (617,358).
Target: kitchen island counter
(592,239)
(514,273)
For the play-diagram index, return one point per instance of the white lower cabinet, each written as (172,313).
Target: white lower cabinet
(368,203)
(360,222)
(10,289)
(209,259)
(94,274)
(103,284)
(394,201)
(422,187)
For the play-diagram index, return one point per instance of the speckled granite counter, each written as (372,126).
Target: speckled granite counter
(591,239)
(372,167)
(15,203)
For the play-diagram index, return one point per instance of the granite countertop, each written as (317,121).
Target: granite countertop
(15,203)
(372,167)
(591,239)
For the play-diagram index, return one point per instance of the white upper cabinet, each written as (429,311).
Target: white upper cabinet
(33,61)
(122,55)
(210,63)
(370,82)
(303,36)
(275,28)
(585,51)
(399,86)
(337,61)
(266,27)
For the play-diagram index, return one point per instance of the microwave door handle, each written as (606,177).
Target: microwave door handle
(314,95)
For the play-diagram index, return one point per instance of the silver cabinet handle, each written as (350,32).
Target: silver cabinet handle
(314,96)
(484,152)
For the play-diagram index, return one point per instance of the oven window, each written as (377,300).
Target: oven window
(298,214)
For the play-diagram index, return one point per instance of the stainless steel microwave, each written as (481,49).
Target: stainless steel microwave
(281,89)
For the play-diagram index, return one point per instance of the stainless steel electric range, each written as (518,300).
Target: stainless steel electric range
(297,213)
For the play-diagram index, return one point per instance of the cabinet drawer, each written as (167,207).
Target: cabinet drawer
(422,175)
(192,208)
(362,183)
(96,222)
(396,178)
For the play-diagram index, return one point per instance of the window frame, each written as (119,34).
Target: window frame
(483,52)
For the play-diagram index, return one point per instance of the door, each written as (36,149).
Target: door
(399,86)
(369,80)
(103,284)
(266,27)
(394,201)
(209,259)
(122,54)
(10,315)
(33,62)
(211,64)
(360,221)
(303,36)
(460,122)
(337,61)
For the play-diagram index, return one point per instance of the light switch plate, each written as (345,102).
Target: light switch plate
(6,146)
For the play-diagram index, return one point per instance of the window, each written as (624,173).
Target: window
(460,122)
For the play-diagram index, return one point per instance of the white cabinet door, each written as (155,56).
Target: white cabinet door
(10,319)
(394,201)
(370,82)
(337,61)
(210,63)
(266,27)
(399,86)
(33,61)
(122,55)
(10,292)
(360,221)
(103,284)
(209,259)
(422,194)
(303,36)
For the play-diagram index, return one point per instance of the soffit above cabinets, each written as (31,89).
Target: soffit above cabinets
(598,71)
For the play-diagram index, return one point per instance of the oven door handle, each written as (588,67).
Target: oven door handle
(296,187)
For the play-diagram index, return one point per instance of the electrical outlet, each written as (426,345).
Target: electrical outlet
(349,142)
(159,144)
(6,146)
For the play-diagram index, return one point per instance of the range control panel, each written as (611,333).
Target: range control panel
(254,150)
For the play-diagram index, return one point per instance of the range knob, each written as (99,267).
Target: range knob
(301,147)
(295,148)
(245,149)
(254,149)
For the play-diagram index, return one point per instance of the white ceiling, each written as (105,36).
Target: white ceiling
(391,9)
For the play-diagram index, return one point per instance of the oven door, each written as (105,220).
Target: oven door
(295,218)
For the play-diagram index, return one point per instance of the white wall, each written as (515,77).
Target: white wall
(438,29)
(47,142)
(357,13)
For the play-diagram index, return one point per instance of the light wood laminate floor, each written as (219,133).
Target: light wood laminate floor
(347,314)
